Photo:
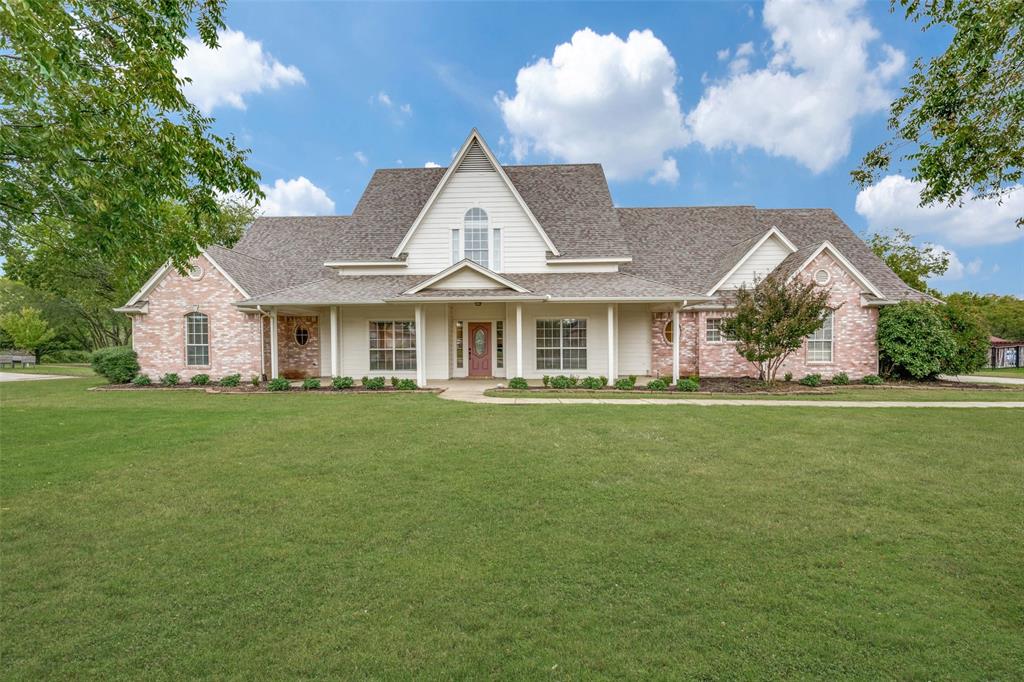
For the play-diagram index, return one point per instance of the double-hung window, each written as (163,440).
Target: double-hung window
(713,331)
(197,340)
(819,344)
(562,344)
(392,345)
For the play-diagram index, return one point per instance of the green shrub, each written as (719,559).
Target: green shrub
(787,377)
(913,340)
(688,385)
(840,379)
(394,382)
(811,380)
(657,385)
(142,380)
(231,380)
(970,336)
(625,383)
(594,383)
(310,384)
(547,381)
(278,384)
(170,379)
(873,380)
(74,357)
(406,385)
(255,380)
(561,381)
(340,383)
(118,364)
(200,379)
(373,383)
(518,382)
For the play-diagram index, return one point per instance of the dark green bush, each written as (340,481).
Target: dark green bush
(278,384)
(310,384)
(518,382)
(657,385)
(373,383)
(562,381)
(594,383)
(142,380)
(231,380)
(840,379)
(970,336)
(394,382)
(547,381)
(873,380)
(625,383)
(688,385)
(913,340)
(74,357)
(340,383)
(811,380)
(170,379)
(118,364)
(406,385)
(787,377)
(255,380)
(200,379)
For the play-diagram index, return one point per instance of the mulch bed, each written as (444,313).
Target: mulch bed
(249,388)
(744,385)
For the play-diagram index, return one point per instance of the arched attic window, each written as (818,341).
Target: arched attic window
(477,235)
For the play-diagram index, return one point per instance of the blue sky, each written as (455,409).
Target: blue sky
(683,103)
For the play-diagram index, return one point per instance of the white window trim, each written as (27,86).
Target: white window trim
(831,343)
(370,349)
(208,344)
(561,348)
(497,239)
(721,335)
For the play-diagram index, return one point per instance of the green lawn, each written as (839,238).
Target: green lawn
(1016,372)
(175,535)
(66,370)
(839,393)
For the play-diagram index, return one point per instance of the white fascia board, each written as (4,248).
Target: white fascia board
(463,265)
(224,272)
(857,274)
(464,299)
(473,135)
(364,264)
(773,232)
(150,283)
(584,261)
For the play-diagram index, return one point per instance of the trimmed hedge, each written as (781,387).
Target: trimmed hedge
(626,383)
(200,380)
(373,383)
(406,385)
(594,383)
(118,364)
(657,385)
(840,379)
(873,380)
(310,384)
(170,379)
(688,385)
(811,380)
(278,384)
(231,380)
(142,380)
(913,340)
(518,382)
(340,383)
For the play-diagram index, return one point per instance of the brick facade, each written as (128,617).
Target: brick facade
(158,336)
(295,361)
(854,347)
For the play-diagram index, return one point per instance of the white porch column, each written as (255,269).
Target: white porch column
(421,347)
(675,344)
(334,341)
(273,343)
(519,339)
(612,350)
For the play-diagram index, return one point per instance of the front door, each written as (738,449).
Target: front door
(479,349)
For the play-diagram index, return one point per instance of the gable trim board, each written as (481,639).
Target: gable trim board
(774,232)
(474,136)
(464,265)
(834,252)
(365,264)
(164,269)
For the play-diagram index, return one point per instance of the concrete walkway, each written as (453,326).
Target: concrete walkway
(18,376)
(974,379)
(472,391)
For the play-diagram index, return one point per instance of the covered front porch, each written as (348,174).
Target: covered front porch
(438,341)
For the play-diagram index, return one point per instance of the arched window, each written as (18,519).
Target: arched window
(197,340)
(475,227)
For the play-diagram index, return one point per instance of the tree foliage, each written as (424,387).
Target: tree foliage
(971,338)
(97,139)
(960,118)
(913,340)
(27,329)
(1003,315)
(914,264)
(772,319)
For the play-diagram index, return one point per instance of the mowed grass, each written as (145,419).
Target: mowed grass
(1014,372)
(71,370)
(858,393)
(168,535)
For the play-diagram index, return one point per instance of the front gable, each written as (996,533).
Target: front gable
(827,266)
(466,275)
(763,256)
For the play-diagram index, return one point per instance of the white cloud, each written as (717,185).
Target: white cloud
(295,197)
(361,157)
(893,202)
(600,98)
(819,78)
(955,269)
(723,54)
(431,164)
(384,100)
(225,75)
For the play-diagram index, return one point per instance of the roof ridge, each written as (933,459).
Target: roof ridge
(243,254)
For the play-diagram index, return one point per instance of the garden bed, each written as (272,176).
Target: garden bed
(262,388)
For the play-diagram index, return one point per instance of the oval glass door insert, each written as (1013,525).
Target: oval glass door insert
(479,341)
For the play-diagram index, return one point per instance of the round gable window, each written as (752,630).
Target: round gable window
(196,272)
(301,336)
(822,276)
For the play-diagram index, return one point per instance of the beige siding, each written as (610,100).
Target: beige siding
(760,263)
(467,279)
(634,339)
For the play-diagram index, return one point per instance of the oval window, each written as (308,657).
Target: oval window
(667,332)
(301,336)
(480,342)
(822,276)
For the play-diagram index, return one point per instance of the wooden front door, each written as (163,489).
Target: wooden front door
(479,349)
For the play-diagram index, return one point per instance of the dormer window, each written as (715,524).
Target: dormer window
(477,236)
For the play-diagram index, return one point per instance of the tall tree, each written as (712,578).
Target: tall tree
(96,137)
(1003,315)
(914,264)
(960,119)
(27,329)
(772,319)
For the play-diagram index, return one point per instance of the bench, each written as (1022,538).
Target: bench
(15,359)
